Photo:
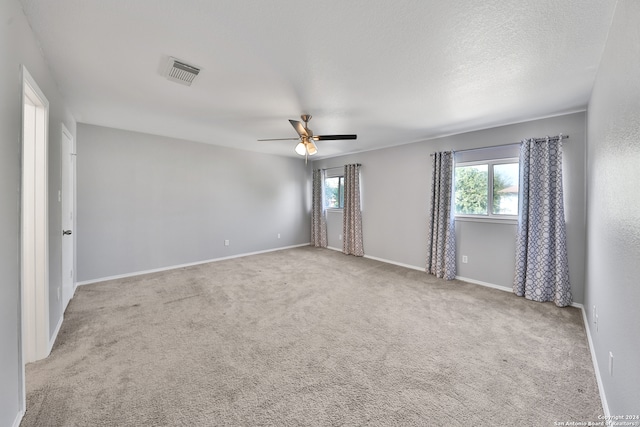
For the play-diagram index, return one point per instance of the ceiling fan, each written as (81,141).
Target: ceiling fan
(306,146)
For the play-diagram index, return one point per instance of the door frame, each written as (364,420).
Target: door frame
(34,235)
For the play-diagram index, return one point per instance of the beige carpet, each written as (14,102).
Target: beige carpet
(307,337)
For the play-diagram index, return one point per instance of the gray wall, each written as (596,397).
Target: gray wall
(613,256)
(18,46)
(147,202)
(395,202)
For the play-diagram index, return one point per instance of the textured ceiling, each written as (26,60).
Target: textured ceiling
(392,72)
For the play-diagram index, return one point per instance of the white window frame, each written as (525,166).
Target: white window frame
(334,209)
(490,216)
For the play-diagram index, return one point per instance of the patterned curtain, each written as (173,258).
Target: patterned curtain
(351,214)
(318,213)
(441,245)
(542,267)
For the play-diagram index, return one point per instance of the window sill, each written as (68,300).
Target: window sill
(493,220)
(337,210)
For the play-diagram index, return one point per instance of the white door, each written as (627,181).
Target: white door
(67,199)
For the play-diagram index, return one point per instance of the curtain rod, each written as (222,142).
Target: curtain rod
(340,167)
(552,138)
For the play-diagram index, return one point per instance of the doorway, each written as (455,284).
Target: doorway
(68,203)
(34,256)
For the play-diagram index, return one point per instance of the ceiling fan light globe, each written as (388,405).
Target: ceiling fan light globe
(301,149)
(311,148)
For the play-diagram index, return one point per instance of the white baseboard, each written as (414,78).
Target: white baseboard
(485,284)
(502,288)
(463,279)
(592,350)
(386,261)
(174,267)
(412,267)
(18,420)
(52,339)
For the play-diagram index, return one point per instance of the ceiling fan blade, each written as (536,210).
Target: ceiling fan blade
(299,127)
(279,139)
(333,137)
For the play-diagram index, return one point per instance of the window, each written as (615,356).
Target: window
(334,192)
(487,188)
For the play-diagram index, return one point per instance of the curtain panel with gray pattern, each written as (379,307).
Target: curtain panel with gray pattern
(542,266)
(441,243)
(318,213)
(352,214)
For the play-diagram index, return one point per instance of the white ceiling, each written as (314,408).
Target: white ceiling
(393,72)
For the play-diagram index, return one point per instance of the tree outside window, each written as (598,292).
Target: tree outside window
(334,192)
(488,189)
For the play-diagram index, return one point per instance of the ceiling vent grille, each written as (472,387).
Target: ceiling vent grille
(180,72)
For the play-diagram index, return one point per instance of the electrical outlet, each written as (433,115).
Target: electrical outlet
(226,243)
(339,236)
(278,235)
(596,322)
(465,259)
(611,363)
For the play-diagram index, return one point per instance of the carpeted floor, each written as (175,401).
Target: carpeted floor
(306,337)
